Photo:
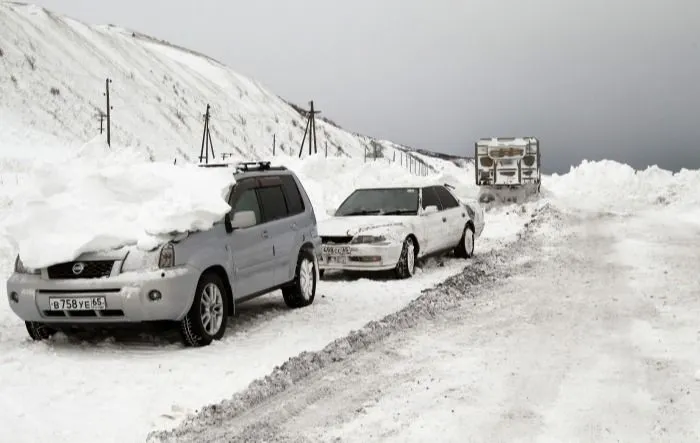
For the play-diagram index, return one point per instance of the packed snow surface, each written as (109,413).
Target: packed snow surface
(105,198)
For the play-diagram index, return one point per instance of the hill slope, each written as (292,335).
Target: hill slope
(53,71)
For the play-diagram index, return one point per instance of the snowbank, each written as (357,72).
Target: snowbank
(609,185)
(108,198)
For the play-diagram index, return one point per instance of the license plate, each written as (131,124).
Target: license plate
(336,250)
(336,260)
(77,303)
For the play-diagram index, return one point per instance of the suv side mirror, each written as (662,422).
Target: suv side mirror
(432,209)
(241,220)
(331,211)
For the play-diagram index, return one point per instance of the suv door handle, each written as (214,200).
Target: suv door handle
(265,234)
(294,226)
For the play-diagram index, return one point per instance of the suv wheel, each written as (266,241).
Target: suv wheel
(207,318)
(39,331)
(302,291)
(406,266)
(465,248)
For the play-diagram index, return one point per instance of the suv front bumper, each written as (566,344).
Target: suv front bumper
(126,296)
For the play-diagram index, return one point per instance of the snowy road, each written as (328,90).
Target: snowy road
(592,337)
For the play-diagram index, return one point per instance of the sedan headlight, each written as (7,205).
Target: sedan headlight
(368,239)
(21,269)
(167,256)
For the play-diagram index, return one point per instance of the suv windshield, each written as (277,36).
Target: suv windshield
(394,201)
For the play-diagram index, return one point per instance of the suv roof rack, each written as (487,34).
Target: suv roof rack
(245,166)
(258,166)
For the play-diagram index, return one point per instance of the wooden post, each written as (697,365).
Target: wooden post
(109,108)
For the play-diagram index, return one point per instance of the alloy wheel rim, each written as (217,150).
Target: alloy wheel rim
(306,278)
(211,309)
(469,241)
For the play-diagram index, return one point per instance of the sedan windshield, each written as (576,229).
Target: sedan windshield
(393,201)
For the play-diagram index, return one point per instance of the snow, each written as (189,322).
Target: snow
(578,316)
(105,199)
(609,185)
(159,93)
(587,340)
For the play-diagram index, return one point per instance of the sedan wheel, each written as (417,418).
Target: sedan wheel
(465,248)
(406,266)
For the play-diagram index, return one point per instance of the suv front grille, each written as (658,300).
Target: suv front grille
(91,269)
(336,240)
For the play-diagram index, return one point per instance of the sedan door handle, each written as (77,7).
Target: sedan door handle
(444,219)
(265,234)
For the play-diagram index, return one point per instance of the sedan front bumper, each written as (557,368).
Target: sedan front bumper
(360,257)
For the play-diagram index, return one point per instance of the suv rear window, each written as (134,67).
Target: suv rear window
(294,200)
(274,205)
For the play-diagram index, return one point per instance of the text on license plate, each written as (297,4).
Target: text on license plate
(77,303)
(336,250)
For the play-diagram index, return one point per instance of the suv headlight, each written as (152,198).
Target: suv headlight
(368,239)
(21,269)
(167,256)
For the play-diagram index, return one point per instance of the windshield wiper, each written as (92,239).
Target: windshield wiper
(400,212)
(363,212)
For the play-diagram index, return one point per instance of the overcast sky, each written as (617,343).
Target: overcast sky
(616,79)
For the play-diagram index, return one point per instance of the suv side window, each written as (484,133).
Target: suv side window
(448,201)
(294,199)
(430,198)
(248,201)
(274,205)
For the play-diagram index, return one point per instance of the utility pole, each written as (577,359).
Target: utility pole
(310,130)
(109,108)
(273,144)
(206,140)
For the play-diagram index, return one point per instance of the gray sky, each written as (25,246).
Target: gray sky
(616,79)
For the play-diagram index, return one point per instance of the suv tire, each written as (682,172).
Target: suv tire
(406,266)
(39,331)
(207,318)
(302,291)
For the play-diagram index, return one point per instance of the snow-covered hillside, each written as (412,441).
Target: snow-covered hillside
(118,389)
(53,71)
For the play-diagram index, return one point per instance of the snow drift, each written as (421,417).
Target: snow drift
(108,198)
(609,185)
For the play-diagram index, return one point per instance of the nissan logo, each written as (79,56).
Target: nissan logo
(78,268)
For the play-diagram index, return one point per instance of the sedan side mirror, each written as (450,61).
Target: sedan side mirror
(432,209)
(331,211)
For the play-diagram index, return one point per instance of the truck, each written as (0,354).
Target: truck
(507,169)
